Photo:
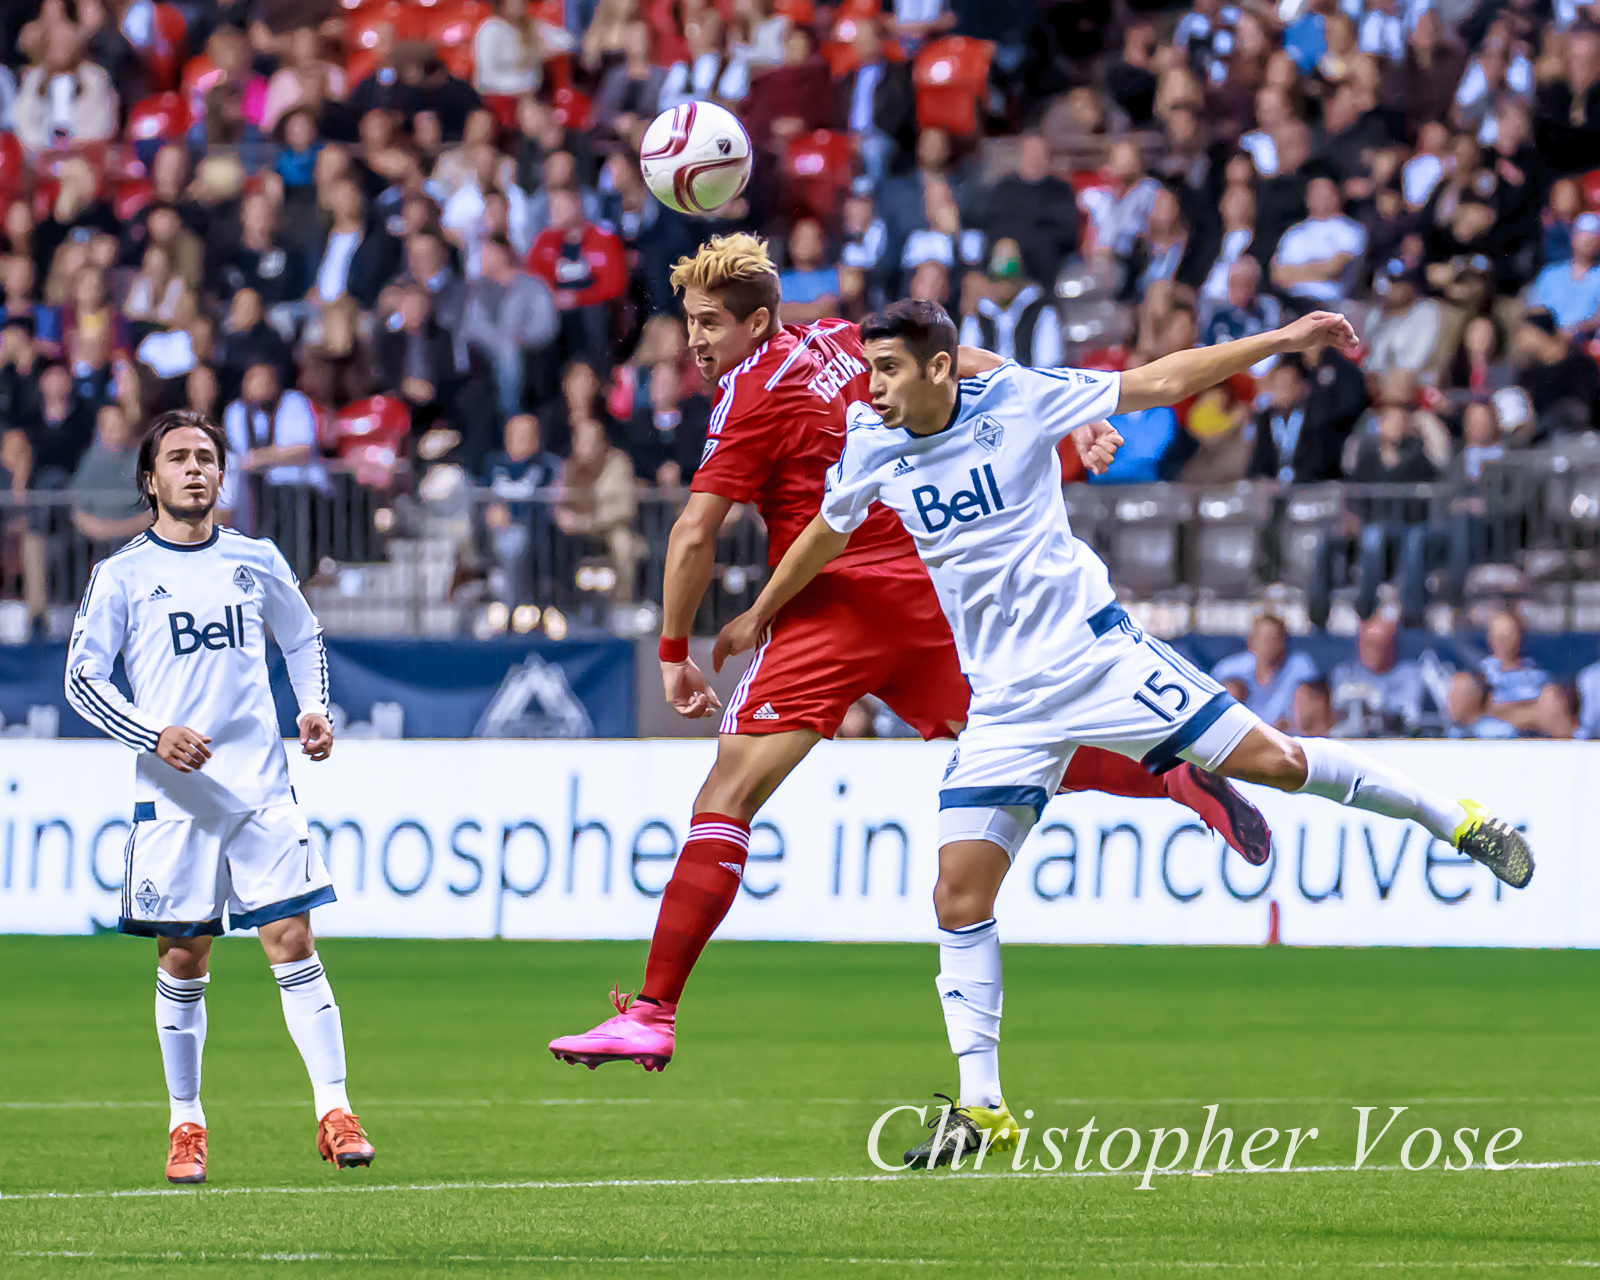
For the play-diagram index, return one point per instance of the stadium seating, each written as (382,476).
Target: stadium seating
(1227,540)
(571,107)
(452,30)
(379,420)
(1309,514)
(129,196)
(951,77)
(817,168)
(1145,536)
(164,118)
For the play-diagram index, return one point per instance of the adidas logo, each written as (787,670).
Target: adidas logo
(903,468)
(733,867)
(764,712)
(952,994)
(160,593)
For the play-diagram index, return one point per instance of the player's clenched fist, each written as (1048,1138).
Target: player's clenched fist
(739,636)
(183,748)
(1318,329)
(316,735)
(1097,444)
(687,690)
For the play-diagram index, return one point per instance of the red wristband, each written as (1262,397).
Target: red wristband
(670,650)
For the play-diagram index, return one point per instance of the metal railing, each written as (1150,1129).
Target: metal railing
(1526,532)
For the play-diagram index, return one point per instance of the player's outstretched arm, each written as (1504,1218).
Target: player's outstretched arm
(1175,378)
(806,557)
(691,559)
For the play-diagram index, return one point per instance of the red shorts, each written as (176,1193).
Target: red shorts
(874,630)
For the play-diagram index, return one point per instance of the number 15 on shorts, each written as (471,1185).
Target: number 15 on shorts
(1166,698)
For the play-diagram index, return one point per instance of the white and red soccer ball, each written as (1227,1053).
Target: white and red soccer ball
(695,157)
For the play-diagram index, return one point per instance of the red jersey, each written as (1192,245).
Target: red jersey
(779,424)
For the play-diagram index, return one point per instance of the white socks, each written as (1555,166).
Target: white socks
(181,1029)
(971,994)
(1339,772)
(313,1018)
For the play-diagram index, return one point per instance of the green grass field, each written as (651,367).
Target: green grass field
(748,1157)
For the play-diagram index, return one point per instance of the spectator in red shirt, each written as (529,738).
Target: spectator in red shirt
(587,271)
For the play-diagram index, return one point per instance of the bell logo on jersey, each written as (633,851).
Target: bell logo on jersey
(835,375)
(188,638)
(964,507)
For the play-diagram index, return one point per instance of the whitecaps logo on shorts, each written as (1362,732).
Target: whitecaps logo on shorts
(147,898)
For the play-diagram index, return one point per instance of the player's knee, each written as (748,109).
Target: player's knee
(288,940)
(187,961)
(1294,768)
(958,902)
(729,794)
(1273,760)
(734,789)
(1266,756)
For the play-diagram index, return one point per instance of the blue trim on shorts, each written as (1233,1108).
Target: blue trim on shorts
(144,811)
(1108,619)
(1167,754)
(1033,798)
(170,928)
(283,910)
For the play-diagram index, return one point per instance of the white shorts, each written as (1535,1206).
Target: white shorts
(180,873)
(1128,692)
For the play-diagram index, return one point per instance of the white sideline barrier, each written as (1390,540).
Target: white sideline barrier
(479,839)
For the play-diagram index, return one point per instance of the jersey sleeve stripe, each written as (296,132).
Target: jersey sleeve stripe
(119,725)
(93,705)
(83,607)
(814,331)
(719,417)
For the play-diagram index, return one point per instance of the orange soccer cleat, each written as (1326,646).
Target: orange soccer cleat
(186,1155)
(342,1141)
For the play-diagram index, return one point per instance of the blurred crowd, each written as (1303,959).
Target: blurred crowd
(1378,694)
(405,247)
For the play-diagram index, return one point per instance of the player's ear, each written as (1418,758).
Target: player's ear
(759,321)
(941,367)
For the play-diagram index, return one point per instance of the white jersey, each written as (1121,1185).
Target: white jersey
(189,621)
(982,500)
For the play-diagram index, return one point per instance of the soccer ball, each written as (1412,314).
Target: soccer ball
(695,157)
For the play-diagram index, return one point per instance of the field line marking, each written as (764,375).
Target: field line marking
(462,1103)
(765,1180)
(392,1105)
(203,1255)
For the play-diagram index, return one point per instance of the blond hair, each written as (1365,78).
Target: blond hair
(738,269)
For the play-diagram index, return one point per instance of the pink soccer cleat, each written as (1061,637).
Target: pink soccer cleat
(641,1032)
(1222,808)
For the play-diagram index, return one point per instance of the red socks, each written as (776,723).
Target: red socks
(702,889)
(1092,769)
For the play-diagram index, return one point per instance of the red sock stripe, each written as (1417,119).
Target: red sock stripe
(724,831)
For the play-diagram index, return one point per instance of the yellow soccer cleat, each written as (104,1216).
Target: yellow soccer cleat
(1494,843)
(961,1133)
